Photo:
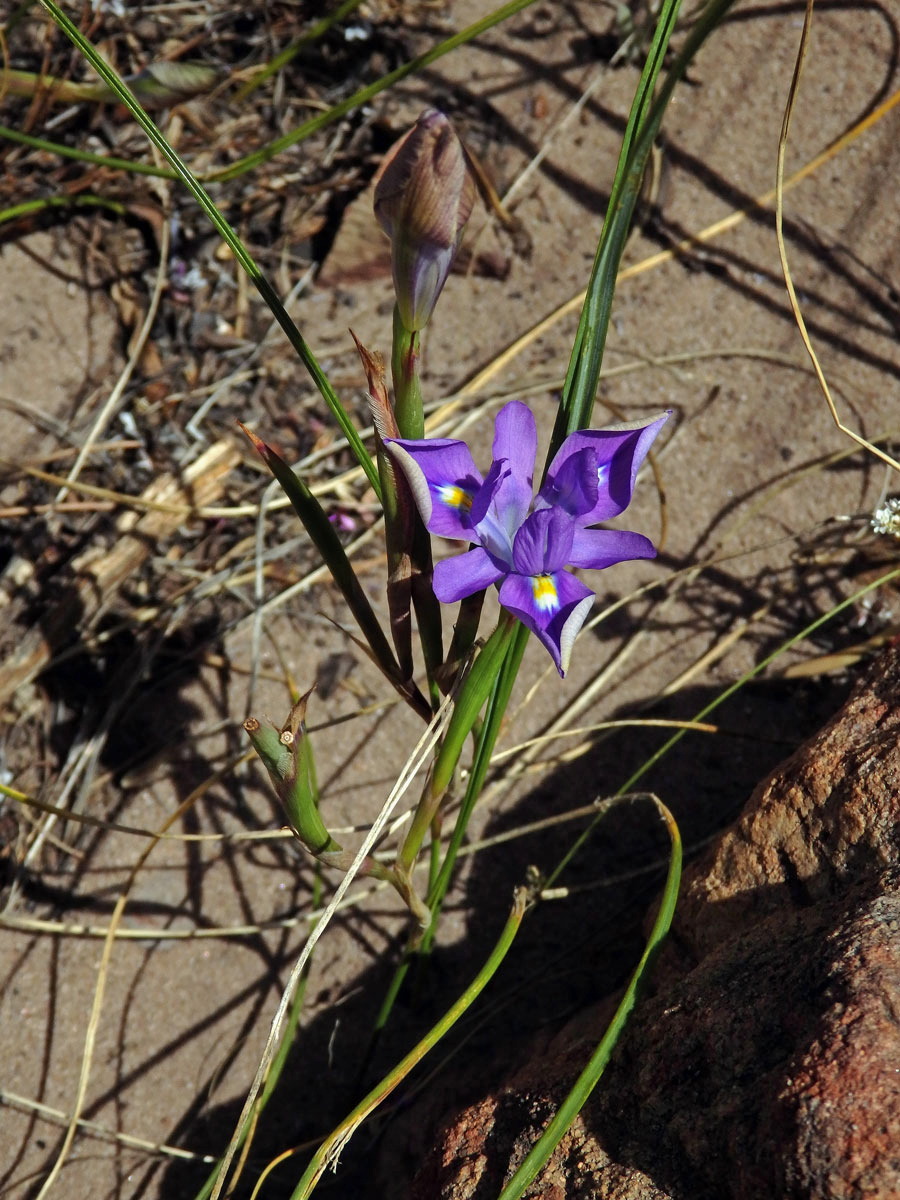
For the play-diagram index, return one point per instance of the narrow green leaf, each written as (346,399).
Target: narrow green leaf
(398,507)
(644,120)
(328,544)
(369,92)
(332,1145)
(100,160)
(583,373)
(83,201)
(487,738)
(410,419)
(228,235)
(589,1077)
(474,691)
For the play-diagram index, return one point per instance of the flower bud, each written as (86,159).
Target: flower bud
(423,198)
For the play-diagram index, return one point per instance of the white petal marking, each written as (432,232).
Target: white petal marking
(570,630)
(415,477)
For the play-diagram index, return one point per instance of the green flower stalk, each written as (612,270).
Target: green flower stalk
(423,198)
(287,755)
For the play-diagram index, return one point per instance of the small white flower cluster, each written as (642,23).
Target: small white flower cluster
(887,518)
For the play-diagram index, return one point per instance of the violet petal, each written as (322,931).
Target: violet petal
(515,441)
(599,548)
(556,625)
(574,487)
(443,480)
(464,574)
(620,450)
(544,542)
(496,512)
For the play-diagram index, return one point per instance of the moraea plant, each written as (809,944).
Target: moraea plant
(523,542)
(423,199)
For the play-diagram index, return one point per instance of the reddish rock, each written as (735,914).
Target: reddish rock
(828,817)
(768,1062)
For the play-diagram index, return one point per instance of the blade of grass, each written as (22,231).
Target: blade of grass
(41,205)
(329,546)
(644,121)
(474,691)
(365,94)
(487,738)
(228,235)
(335,1142)
(589,1077)
(100,160)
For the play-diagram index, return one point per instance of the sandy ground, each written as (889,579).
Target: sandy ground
(754,485)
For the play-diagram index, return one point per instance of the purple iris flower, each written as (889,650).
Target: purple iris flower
(523,542)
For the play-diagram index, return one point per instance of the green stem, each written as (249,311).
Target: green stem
(338,1138)
(410,417)
(45,202)
(399,514)
(468,618)
(475,691)
(490,730)
(100,160)
(428,609)
(590,1076)
(408,407)
(438,884)
(644,121)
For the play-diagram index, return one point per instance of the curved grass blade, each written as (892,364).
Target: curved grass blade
(334,1143)
(442,873)
(99,160)
(41,205)
(589,1077)
(475,689)
(487,738)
